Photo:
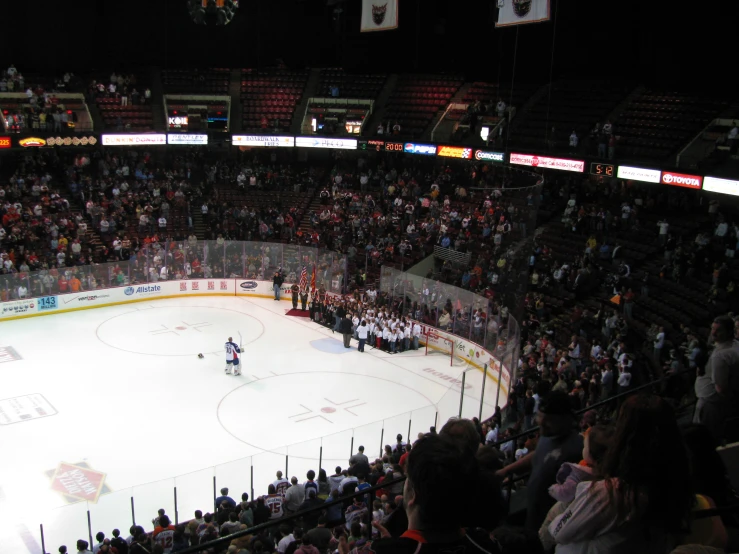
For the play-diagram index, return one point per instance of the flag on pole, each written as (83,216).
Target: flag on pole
(313,281)
(379,15)
(304,279)
(517,12)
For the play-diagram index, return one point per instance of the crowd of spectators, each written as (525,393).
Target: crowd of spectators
(571,358)
(41,110)
(121,88)
(634,483)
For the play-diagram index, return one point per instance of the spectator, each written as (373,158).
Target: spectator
(294,496)
(636,506)
(717,388)
(558,444)
(432,485)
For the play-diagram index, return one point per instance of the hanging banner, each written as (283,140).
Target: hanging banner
(518,12)
(379,15)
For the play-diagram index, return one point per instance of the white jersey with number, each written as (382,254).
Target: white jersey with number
(274,503)
(166,539)
(232,351)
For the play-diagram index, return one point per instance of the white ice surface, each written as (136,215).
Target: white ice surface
(135,402)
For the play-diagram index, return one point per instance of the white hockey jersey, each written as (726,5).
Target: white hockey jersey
(232,351)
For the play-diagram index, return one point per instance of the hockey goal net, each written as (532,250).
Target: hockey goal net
(439,343)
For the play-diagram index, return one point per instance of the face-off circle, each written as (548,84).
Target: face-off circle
(177,331)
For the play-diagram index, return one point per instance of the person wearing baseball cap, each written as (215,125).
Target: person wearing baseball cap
(559,442)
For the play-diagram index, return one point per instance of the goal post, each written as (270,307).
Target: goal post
(439,343)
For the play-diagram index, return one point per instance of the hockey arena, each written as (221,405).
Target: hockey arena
(79,421)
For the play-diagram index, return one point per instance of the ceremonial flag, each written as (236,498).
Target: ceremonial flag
(304,279)
(379,15)
(313,281)
(517,12)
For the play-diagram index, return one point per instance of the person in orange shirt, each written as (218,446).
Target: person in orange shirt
(74,284)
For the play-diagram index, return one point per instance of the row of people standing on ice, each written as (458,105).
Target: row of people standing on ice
(377,326)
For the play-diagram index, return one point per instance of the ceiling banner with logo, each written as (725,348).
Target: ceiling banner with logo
(379,15)
(517,12)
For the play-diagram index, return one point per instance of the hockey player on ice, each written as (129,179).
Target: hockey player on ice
(232,357)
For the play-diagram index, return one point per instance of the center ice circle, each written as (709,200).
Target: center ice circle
(302,407)
(178,331)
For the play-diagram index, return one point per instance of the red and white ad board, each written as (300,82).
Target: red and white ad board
(563,164)
(682,180)
(467,352)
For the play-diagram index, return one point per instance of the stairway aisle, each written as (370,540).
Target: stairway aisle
(235,123)
(310,91)
(376,117)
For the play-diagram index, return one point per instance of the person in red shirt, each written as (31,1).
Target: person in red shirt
(629,303)
(63,284)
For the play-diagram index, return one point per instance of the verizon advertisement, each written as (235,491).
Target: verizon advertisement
(724,186)
(682,180)
(639,174)
(578,166)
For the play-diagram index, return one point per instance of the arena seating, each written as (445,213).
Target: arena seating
(351,85)
(271,94)
(656,123)
(133,116)
(681,284)
(206,81)
(569,106)
(416,99)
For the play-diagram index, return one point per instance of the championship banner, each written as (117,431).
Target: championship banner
(379,15)
(517,12)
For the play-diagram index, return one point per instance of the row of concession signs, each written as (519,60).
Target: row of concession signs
(643,174)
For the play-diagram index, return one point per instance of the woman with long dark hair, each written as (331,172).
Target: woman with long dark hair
(643,500)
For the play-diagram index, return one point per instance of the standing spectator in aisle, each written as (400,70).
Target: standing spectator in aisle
(573,142)
(346,330)
(659,343)
(559,443)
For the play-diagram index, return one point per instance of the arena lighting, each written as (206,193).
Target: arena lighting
(212,12)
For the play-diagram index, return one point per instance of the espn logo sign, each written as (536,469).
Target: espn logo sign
(681,180)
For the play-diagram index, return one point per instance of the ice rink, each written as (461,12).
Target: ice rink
(109,404)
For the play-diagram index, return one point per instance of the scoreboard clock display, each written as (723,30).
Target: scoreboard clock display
(394,147)
(377,145)
(603,170)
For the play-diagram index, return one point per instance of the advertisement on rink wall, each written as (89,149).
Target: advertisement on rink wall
(470,352)
(253,287)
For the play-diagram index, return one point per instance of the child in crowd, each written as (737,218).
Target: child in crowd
(597,440)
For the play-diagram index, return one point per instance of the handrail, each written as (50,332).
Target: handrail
(257,528)
(593,406)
